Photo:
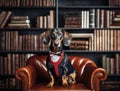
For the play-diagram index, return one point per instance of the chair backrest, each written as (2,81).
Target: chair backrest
(78,62)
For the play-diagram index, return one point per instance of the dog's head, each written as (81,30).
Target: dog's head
(56,39)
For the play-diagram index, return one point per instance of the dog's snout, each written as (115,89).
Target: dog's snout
(56,43)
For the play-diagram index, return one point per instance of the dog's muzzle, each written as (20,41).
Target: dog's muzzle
(56,43)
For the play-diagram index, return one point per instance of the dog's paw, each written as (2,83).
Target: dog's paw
(71,80)
(50,85)
(64,80)
(65,84)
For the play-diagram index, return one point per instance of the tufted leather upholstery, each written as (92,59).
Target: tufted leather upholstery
(34,76)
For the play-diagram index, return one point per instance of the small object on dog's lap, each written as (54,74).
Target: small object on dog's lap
(58,64)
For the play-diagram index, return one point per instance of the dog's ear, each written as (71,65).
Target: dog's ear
(46,36)
(67,38)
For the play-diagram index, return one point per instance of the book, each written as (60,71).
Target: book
(52,21)
(19,22)
(19,18)
(112,66)
(92,18)
(11,25)
(4,18)
(117,59)
(2,41)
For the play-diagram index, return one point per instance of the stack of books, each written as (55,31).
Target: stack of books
(80,44)
(19,22)
(72,19)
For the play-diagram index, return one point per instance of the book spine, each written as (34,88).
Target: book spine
(52,18)
(92,18)
(6,19)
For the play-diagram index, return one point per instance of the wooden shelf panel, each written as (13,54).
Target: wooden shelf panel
(7,76)
(67,51)
(88,7)
(22,7)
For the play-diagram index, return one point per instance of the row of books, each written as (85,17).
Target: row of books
(110,85)
(10,62)
(13,21)
(100,40)
(114,2)
(19,22)
(46,21)
(111,64)
(10,83)
(27,3)
(106,40)
(93,18)
(12,41)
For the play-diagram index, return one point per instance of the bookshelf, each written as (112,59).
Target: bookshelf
(14,39)
(94,18)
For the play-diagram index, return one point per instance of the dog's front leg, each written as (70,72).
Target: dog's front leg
(71,78)
(51,83)
(64,80)
(64,77)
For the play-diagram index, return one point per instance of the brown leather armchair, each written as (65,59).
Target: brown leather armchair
(34,75)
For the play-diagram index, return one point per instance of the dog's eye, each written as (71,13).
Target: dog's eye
(59,33)
(53,35)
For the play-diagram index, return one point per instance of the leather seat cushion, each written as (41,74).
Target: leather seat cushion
(76,87)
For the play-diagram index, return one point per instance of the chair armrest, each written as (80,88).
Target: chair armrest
(98,75)
(92,75)
(27,75)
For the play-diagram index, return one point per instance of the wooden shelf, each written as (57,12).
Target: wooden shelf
(67,51)
(7,76)
(89,7)
(23,7)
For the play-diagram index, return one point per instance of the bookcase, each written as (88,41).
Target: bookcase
(94,25)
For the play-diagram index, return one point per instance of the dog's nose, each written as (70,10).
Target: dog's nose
(56,44)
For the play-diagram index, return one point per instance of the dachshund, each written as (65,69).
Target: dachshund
(58,64)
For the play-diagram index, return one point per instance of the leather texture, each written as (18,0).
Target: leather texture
(34,75)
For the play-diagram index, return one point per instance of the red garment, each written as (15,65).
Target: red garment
(55,64)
